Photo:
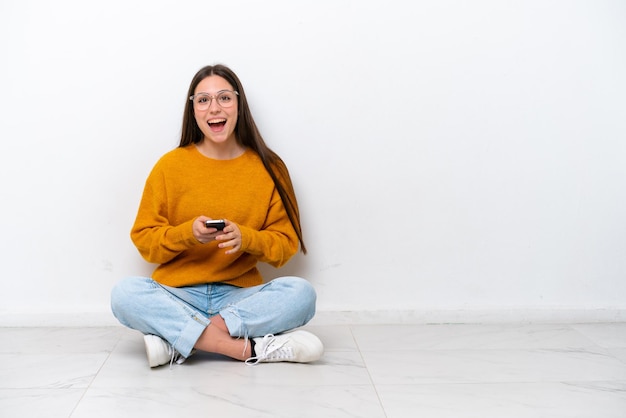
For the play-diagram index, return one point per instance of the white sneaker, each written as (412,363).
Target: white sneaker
(161,352)
(296,347)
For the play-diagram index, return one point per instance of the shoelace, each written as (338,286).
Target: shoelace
(270,350)
(176,357)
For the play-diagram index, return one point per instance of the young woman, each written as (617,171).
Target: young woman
(206,292)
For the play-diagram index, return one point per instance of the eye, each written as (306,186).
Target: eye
(224,98)
(202,99)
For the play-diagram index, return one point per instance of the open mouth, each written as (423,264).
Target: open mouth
(217,125)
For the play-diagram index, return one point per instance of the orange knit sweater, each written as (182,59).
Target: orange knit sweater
(185,184)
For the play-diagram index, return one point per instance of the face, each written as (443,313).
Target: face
(216,123)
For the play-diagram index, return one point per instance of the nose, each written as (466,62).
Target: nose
(213,106)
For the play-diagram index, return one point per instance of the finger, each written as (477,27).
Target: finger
(234,244)
(228,236)
(225,244)
(233,250)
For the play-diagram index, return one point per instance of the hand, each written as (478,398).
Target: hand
(201,232)
(230,237)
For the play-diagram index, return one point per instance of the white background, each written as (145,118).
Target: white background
(449,156)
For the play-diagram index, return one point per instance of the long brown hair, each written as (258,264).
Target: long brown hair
(248,136)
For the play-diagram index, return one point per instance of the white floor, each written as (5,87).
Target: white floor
(393,371)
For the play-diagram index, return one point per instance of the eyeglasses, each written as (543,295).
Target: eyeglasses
(224,98)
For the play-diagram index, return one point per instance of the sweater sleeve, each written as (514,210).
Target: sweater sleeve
(277,241)
(156,239)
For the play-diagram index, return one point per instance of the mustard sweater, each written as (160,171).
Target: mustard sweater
(185,184)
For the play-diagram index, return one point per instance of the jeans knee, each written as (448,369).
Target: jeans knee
(308,292)
(120,290)
(123,297)
(118,297)
(302,291)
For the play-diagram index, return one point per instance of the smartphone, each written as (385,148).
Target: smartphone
(215,223)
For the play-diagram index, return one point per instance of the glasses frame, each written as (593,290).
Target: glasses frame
(213,97)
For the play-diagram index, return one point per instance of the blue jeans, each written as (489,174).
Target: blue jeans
(180,315)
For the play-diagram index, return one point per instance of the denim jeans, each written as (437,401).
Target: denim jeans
(180,315)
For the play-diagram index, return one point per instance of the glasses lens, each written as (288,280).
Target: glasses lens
(202,101)
(226,99)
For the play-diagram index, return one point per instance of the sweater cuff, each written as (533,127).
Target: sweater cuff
(185,235)
(246,237)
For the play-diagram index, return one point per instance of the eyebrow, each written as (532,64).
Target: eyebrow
(217,92)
